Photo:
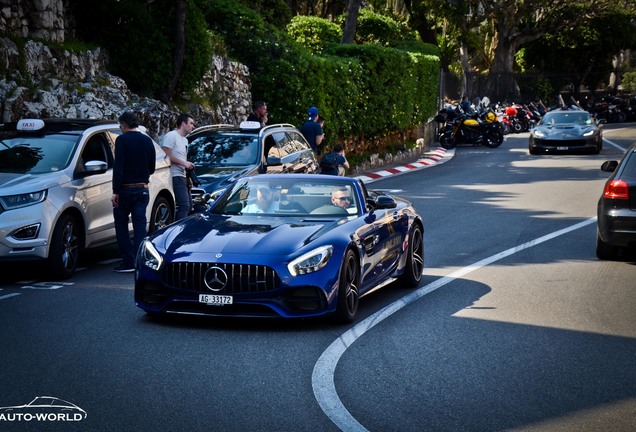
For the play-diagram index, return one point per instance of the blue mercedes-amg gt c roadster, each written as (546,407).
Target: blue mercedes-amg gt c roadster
(290,245)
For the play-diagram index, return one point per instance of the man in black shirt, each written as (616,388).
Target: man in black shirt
(259,114)
(134,163)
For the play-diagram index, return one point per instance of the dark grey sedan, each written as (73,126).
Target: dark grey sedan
(617,207)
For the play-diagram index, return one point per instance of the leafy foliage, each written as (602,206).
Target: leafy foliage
(314,33)
(629,81)
(374,28)
(360,90)
(140,40)
(580,54)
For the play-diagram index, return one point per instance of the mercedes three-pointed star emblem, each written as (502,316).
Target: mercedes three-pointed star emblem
(215,278)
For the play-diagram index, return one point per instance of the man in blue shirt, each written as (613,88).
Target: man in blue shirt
(334,162)
(135,159)
(311,130)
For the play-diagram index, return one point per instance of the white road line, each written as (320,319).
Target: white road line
(322,379)
(6,296)
(614,144)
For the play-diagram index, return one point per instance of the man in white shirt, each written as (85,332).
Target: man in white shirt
(175,144)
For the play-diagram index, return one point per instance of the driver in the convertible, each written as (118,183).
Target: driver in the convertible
(341,197)
(264,202)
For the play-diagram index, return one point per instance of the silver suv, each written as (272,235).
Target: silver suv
(55,190)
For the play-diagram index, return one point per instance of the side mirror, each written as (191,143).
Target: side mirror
(381,202)
(609,166)
(274,161)
(94,167)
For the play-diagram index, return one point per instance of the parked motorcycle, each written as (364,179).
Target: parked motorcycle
(466,129)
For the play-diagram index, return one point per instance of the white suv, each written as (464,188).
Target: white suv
(55,190)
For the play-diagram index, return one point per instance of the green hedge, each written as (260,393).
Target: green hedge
(362,90)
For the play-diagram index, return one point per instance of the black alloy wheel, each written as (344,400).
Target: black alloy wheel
(415,259)
(65,248)
(161,215)
(348,289)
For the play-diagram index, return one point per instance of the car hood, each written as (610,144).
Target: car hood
(239,235)
(221,177)
(564,130)
(12,183)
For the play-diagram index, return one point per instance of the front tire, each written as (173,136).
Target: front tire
(162,214)
(65,248)
(415,260)
(446,141)
(493,138)
(348,289)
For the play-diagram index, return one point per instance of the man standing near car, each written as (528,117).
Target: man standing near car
(259,114)
(311,129)
(135,159)
(175,144)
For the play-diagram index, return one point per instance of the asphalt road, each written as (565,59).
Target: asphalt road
(515,326)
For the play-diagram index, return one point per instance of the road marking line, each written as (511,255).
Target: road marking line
(614,144)
(322,379)
(6,296)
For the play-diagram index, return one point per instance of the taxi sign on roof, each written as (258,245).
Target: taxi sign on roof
(250,125)
(30,125)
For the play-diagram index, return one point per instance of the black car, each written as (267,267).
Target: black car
(224,153)
(566,130)
(616,220)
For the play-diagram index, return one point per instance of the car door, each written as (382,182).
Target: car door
(301,158)
(94,190)
(382,239)
(293,152)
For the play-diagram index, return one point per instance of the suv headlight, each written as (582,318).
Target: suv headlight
(311,261)
(11,202)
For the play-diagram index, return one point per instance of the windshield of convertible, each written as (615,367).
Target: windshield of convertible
(290,197)
(223,149)
(566,117)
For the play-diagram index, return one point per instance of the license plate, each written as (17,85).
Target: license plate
(562,148)
(215,300)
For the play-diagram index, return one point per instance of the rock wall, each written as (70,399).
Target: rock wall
(34,19)
(37,80)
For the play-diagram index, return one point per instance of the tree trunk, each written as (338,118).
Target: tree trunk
(178,52)
(349,32)
(418,20)
(500,84)
(466,71)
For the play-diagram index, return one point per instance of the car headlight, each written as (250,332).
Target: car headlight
(149,255)
(539,134)
(11,202)
(311,261)
(589,133)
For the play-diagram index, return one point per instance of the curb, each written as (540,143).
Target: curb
(428,159)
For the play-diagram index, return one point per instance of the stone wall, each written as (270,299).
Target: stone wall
(56,83)
(38,80)
(34,19)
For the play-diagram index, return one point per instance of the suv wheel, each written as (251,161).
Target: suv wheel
(65,248)
(161,215)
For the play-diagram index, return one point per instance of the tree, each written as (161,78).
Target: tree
(178,51)
(514,24)
(349,32)
(519,22)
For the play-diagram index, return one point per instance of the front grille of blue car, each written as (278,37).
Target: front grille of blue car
(241,278)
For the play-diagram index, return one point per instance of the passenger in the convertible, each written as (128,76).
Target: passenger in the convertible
(264,202)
